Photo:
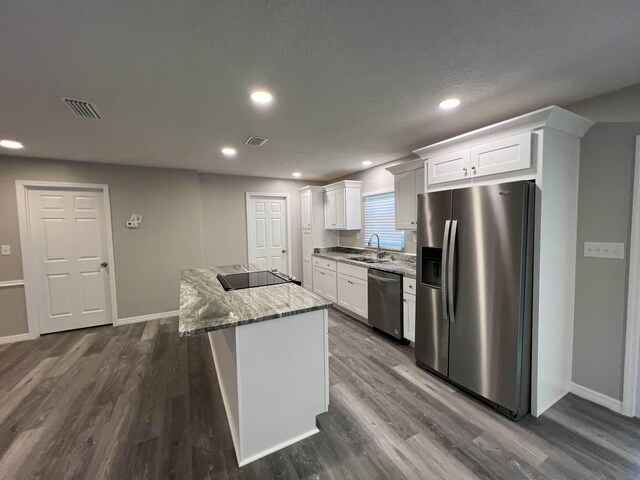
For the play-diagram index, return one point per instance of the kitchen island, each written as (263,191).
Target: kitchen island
(270,349)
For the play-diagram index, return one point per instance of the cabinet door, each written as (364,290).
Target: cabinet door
(359,297)
(305,205)
(330,210)
(448,167)
(405,200)
(330,285)
(307,274)
(504,155)
(344,292)
(307,245)
(318,281)
(341,207)
(410,317)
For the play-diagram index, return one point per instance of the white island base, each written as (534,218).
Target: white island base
(274,380)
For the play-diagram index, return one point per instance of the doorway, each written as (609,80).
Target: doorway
(269,231)
(67,252)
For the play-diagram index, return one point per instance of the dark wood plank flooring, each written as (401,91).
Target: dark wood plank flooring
(138,401)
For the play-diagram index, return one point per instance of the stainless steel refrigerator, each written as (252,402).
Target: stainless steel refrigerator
(474,294)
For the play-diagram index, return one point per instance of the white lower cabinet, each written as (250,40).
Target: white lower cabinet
(324,283)
(307,274)
(409,308)
(352,294)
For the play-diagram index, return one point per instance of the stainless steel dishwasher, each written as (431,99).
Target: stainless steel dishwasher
(385,302)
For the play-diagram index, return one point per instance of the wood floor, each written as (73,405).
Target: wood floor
(139,402)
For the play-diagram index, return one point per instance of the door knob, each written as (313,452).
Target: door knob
(284,250)
(104,264)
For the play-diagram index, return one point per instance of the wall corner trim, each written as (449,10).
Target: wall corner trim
(14,338)
(146,318)
(597,397)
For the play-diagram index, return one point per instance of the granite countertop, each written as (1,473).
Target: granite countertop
(394,263)
(205,306)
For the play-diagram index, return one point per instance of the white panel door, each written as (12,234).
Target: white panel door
(330,210)
(341,208)
(307,274)
(330,285)
(503,155)
(268,247)
(69,243)
(307,252)
(318,280)
(409,311)
(305,207)
(448,167)
(406,200)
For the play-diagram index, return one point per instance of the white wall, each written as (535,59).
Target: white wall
(175,233)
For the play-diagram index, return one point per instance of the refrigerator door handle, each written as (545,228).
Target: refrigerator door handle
(452,252)
(445,252)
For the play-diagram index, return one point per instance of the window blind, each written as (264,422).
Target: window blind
(379,217)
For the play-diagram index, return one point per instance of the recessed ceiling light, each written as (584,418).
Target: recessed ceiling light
(449,103)
(366,163)
(229,152)
(296,174)
(262,97)
(11,144)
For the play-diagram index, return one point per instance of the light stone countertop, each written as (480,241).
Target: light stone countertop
(205,306)
(395,263)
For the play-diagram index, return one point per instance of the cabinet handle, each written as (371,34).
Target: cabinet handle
(474,170)
(465,171)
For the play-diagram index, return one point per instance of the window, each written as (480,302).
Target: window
(380,218)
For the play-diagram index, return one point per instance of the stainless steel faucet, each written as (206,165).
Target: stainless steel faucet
(371,238)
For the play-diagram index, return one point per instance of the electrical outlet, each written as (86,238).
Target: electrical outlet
(358,236)
(604,250)
(5,250)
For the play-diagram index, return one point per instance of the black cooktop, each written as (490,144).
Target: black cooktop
(238,281)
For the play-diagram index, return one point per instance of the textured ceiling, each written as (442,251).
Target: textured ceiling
(352,80)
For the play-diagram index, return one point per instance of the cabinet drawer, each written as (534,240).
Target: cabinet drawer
(352,270)
(409,285)
(324,263)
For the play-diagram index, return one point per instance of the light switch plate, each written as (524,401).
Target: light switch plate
(604,250)
(5,249)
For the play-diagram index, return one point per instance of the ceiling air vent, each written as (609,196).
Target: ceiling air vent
(256,141)
(81,109)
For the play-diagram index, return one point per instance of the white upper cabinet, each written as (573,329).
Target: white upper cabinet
(342,205)
(330,217)
(305,206)
(407,186)
(448,167)
(507,154)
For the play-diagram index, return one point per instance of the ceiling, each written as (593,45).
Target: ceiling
(352,81)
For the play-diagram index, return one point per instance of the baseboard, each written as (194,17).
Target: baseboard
(146,318)
(597,397)
(14,338)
